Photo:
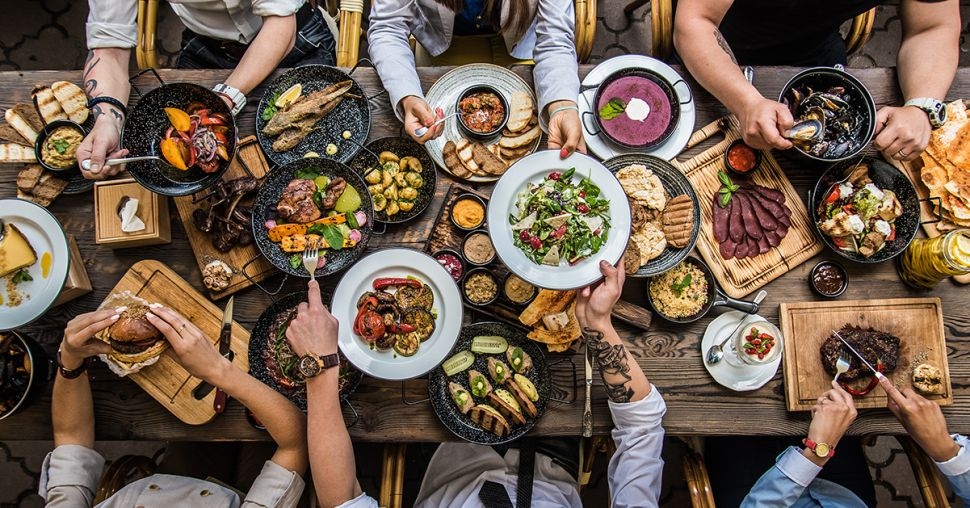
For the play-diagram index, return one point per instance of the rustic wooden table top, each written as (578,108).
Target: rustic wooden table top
(696,405)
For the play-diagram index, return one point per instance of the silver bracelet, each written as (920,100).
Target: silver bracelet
(561,109)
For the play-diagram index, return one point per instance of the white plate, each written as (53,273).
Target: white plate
(605,149)
(444,93)
(45,234)
(532,169)
(398,262)
(740,379)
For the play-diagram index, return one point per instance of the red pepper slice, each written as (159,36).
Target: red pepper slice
(833,196)
(386,282)
(864,391)
(369,303)
(401,328)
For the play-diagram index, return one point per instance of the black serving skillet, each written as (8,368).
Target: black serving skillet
(17,383)
(666,86)
(715,297)
(402,147)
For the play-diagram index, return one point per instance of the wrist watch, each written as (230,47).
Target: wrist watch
(934,109)
(821,450)
(238,98)
(72,373)
(311,365)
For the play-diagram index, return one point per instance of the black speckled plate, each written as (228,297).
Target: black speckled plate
(351,115)
(675,183)
(259,340)
(885,177)
(76,183)
(264,208)
(402,147)
(147,123)
(461,425)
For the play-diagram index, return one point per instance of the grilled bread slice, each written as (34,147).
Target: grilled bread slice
(72,100)
(527,405)
(520,112)
(506,404)
(678,220)
(11,152)
(24,119)
(450,155)
(488,418)
(548,301)
(47,105)
(48,189)
(29,177)
(488,161)
(10,135)
(525,139)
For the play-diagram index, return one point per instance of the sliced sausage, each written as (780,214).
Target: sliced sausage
(773,238)
(765,218)
(735,224)
(763,244)
(727,248)
(772,194)
(753,249)
(720,220)
(741,251)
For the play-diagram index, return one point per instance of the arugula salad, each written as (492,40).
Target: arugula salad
(557,219)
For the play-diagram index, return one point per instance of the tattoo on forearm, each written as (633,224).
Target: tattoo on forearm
(97,111)
(613,364)
(90,85)
(724,45)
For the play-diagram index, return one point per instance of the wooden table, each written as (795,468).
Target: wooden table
(669,354)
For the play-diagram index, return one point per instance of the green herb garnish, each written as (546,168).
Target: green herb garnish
(306,174)
(22,275)
(728,188)
(684,283)
(333,236)
(270,110)
(61,145)
(612,109)
(296,261)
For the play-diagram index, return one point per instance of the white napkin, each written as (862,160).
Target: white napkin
(130,223)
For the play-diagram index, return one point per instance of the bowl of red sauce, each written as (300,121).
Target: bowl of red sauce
(636,108)
(828,279)
(482,111)
(741,159)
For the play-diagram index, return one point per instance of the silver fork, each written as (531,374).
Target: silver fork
(842,364)
(311,255)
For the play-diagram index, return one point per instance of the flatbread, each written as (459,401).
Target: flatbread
(651,241)
(642,186)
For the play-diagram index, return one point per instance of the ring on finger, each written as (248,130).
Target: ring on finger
(900,154)
(181,328)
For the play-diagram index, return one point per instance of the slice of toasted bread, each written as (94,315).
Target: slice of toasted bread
(49,187)
(47,105)
(525,139)
(512,154)
(10,135)
(450,155)
(11,152)
(29,177)
(520,111)
(72,100)
(548,301)
(527,405)
(487,160)
(507,405)
(488,418)
(24,119)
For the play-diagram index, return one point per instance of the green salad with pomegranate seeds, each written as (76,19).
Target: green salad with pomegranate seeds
(557,219)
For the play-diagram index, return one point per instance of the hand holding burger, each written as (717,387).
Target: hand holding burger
(190,347)
(79,336)
(132,338)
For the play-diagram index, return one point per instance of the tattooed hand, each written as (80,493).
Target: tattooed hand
(103,142)
(594,303)
(613,363)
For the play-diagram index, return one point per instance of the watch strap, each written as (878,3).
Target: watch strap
(329,361)
(934,109)
(812,445)
(238,98)
(72,373)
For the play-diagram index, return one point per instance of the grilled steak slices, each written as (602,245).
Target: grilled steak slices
(874,345)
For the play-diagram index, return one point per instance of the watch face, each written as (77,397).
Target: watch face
(309,366)
(822,450)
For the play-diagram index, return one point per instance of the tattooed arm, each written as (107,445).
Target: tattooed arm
(105,74)
(710,60)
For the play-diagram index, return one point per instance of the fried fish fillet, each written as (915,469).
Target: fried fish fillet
(311,105)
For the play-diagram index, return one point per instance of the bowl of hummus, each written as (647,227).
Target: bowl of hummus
(57,143)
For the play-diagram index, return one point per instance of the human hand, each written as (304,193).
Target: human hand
(79,340)
(103,142)
(417,114)
(763,122)
(190,347)
(902,133)
(922,419)
(314,330)
(834,411)
(594,303)
(565,129)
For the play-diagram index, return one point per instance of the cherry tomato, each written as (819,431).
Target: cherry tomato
(371,326)
(555,175)
(535,242)
(583,208)
(524,235)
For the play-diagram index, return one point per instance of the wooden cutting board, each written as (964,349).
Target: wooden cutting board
(249,161)
(918,322)
(740,277)
(166,381)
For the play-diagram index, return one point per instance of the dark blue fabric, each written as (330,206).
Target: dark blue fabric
(469,20)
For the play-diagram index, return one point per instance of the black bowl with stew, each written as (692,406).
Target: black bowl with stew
(482,112)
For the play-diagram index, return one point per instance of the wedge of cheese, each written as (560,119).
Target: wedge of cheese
(15,251)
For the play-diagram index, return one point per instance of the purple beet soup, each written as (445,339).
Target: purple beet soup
(627,130)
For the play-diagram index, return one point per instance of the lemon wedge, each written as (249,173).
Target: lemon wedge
(960,250)
(291,94)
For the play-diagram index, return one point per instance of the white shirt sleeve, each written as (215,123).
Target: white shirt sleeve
(69,476)
(636,467)
(556,73)
(391,22)
(265,8)
(112,24)
(275,487)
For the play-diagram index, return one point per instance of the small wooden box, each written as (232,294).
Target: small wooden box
(77,283)
(152,209)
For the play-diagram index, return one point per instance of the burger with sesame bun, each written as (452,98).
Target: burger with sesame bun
(133,339)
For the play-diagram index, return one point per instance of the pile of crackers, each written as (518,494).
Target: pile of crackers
(657,220)
(946,168)
(62,100)
(552,317)
(466,158)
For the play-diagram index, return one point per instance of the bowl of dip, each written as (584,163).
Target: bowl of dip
(740,158)
(468,212)
(477,248)
(482,112)
(480,287)
(452,262)
(517,290)
(636,108)
(828,279)
(57,143)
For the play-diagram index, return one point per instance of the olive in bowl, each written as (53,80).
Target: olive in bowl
(741,159)
(480,287)
(57,144)
(828,279)
(482,112)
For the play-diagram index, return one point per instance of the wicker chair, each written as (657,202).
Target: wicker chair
(662,29)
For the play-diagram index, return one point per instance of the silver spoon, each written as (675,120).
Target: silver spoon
(421,131)
(86,164)
(715,353)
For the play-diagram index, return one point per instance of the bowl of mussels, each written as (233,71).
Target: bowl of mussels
(834,114)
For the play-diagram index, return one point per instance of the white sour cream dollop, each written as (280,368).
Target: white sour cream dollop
(637,109)
(855,224)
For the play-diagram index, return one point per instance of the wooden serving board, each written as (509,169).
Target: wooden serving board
(918,322)
(446,236)
(740,277)
(166,381)
(249,161)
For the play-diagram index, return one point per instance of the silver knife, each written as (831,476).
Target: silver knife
(225,334)
(879,375)
(587,410)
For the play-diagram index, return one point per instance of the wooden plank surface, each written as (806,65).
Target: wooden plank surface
(668,353)
(918,322)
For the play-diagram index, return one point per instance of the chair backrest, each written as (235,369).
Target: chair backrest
(662,29)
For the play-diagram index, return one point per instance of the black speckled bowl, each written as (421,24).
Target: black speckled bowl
(465,128)
(402,147)
(264,208)
(147,123)
(260,340)
(885,177)
(76,183)
(352,114)
(675,183)
(461,425)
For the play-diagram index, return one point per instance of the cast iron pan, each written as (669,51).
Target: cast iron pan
(264,208)
(401,147)
(664,85)
(461,425)
(715,297)
(259,341)
(676,184)
(885,177)
(351,115)
(147,123)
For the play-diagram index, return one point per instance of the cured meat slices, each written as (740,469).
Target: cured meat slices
(755,220)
